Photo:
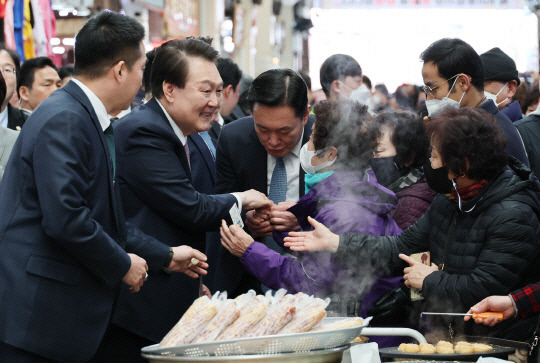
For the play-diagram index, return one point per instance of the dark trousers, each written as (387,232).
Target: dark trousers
(119,346)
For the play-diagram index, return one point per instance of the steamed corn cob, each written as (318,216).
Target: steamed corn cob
(219,323)
(304,320)
(188,327)
(244,323)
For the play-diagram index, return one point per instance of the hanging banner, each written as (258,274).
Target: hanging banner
(373,4)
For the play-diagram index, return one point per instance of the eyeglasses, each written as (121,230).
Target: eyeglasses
(7,69)
(431,90)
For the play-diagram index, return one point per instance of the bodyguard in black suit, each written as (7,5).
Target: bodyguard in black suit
(249,148)
(156,183)
(62,233)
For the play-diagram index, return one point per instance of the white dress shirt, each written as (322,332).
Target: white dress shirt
(292,167)
(97,105)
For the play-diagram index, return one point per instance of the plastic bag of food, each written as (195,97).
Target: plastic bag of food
(192,322)
(223,319)
(255,312)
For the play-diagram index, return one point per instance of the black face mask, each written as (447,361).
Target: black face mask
(386,170)
(437,179)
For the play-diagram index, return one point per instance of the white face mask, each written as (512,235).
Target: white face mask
(305,160)
(491,96)
(376,100)
(436,106)
(360,95)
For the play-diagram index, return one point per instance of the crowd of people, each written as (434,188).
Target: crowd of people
(135,182)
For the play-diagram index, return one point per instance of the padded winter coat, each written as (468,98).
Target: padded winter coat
(491,248)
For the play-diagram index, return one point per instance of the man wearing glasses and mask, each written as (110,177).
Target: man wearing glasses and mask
(10,116)
(501,80)
(453,76)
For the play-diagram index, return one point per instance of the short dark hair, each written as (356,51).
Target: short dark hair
(230,72)
(279,87)
(28,69)
(306,79)
(467,134)
(106,40)
(382,89)
(338,66)
(3,88)
(14,56)
(453,56)
(171,61)
(146,78)
(408,135)
(348,126)
(367,82)
(66,71)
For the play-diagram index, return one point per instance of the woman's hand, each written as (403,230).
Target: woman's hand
(500,304)
(415,274)
(234,239)
(318,240)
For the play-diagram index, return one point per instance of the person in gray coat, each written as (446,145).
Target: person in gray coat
(7,136)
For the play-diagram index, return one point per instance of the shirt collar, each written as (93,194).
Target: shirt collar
(221,121)
(97,105)
(174,126)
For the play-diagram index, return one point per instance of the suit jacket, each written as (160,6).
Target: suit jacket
(7,140)
(203,170)
(157,187)
(62,233)
(215,130)
(15,117)
(240,165)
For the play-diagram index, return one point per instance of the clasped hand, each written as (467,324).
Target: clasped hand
(262,221)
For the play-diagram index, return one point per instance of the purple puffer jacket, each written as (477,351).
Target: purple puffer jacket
(346,201)
(413,202)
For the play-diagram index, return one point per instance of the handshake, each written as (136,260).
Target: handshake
(274,217)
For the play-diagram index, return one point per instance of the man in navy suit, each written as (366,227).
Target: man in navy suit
(156,183)
(248,152)
(62,232)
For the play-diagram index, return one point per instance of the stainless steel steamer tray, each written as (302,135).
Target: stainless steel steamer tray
(334,355)
(265,345)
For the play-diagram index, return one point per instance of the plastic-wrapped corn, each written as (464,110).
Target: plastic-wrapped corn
(195,319)
(244,323)
(342,324)
(273,321)
(304,320)
(220,322)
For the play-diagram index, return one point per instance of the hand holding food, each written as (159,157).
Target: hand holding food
(183,261)
(415,274)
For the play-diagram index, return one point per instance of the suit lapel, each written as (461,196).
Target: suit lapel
(199,143)
(258,165)
(73,89)
(153,105)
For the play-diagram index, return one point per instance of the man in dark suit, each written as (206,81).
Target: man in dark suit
(254,151)
(10,116)
(156,183)
(62,231)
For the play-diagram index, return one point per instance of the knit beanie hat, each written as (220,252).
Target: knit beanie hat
(498,66)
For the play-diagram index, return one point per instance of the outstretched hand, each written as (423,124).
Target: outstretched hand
(321,238)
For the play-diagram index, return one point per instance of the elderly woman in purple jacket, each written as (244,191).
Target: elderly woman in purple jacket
(341,191)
